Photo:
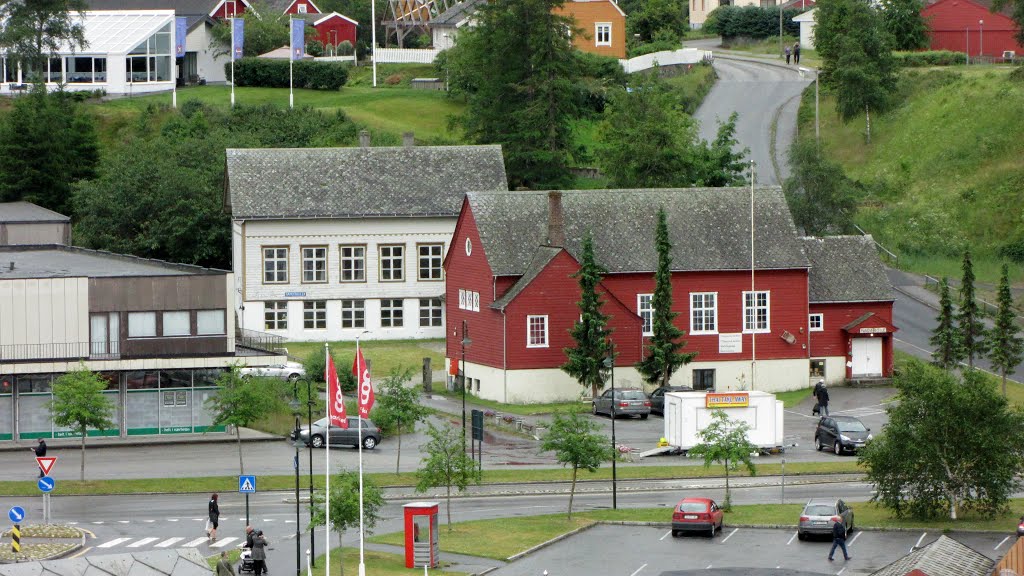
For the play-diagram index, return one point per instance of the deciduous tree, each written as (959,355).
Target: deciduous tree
(241,401)
(585,361)
(972,329)
(904,23)
(32,30)
(445,465)
(398,406)
(663,354)
(820,195)
(725,441)
(1017,10)
(79,404)
(1005,346)
(576,442)
(345,507)
(949,445)
(946,336)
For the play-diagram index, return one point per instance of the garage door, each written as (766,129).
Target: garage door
(867,356)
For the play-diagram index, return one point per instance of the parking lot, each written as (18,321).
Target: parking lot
(648,551)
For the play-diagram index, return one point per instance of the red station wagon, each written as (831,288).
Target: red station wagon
(697,515)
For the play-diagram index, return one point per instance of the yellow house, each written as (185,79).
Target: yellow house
(603,26)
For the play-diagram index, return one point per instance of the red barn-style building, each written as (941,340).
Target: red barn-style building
(969,26)
(334,28)
(509,278)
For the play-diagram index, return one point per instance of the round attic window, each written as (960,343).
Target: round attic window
(469,247)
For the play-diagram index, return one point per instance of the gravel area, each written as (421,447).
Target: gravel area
(47,531)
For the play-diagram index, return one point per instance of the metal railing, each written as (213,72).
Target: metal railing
(887,255)
(260,341)
(987,308)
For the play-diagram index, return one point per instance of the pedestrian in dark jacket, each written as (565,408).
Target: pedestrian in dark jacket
(40,451)
(249,535)
(796,53)
(823,400)
(787,54)
(838,539)
(214,510)
(259,554)
(817,403)
(224,567)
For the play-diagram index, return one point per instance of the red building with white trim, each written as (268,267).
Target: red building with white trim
(509,278)
(334,28)
(970,26)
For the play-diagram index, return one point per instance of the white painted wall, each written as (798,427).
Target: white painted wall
(144,364)
(43,311)
(209,67)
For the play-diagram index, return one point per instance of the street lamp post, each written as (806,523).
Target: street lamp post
(309,415)
(609,363)
(465,342)
(298,523)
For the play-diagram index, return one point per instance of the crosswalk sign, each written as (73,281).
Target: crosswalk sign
(247,484)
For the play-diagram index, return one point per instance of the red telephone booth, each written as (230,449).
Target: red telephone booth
(421,534)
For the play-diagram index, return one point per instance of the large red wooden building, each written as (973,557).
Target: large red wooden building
(969,26)
(808,304)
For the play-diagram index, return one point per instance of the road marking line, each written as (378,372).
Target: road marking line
(168,543)
(638,570)
(122,521)
(98,522)
(1001,543)
(224,542)
(709,567)
(841,571)
(173,519)
(114,542)
(195,542)
(72,523)
(142,542)
(289,521)
(82,552)
(778,567)
(149,521)
(268,519)
(665,536)
(791,538)
(734,530)
(854,539)
(918,545)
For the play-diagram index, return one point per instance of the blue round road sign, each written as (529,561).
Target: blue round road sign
(47,484)
(16,514)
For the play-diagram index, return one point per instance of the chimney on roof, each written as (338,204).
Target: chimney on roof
(408,139)
(364,138)
(556,220)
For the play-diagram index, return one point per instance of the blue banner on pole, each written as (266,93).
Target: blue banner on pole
(237,36)
(298,38)
(180,31)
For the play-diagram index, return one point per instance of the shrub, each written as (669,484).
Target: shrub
(345,48)
(315,48)
(316,364)
(268,73)
(928,58)
(393,80)
(1017,74)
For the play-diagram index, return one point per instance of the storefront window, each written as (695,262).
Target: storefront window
(142,379)
(34,383)
(817,368)
(56,70)
(206,378)
(175,378)
(150,61)
(112,379)
(6,384)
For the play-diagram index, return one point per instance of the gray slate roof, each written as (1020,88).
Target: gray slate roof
(846,269)
(455,14)
(180,562)
(944,557)
(543,256)
(57,261)
(358,182)
(11,212)
(709,228)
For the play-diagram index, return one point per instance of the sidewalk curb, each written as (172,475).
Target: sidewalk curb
(915,298)
(141,442)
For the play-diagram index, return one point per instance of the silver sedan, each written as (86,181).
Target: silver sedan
(624,402)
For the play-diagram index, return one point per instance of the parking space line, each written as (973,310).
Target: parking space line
(1001,543)
(791,538)
(734,530)
(841,571)
(638,570)
(709,567)
(919,540)
(854,539)
(665,536)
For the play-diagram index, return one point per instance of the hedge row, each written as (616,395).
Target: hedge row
(751,22)
(266,73)
(929,58)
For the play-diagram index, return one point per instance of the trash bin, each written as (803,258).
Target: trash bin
(421,534)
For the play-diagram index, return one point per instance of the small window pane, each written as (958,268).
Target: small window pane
(210,322)
(391,315)
(353,314)
(177,323)
(430,261)
(430,312)
(141,324)
(275,315)
(314,315)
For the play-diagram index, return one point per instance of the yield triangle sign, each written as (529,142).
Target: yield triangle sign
(46,463)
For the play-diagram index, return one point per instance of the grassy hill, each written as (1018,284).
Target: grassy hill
(945,168)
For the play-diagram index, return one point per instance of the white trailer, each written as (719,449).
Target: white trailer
(687,413)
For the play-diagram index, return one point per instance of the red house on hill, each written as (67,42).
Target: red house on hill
(509,279)
(334,28)
(232,8)
(969,26)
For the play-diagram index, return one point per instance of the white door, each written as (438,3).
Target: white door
(867,356)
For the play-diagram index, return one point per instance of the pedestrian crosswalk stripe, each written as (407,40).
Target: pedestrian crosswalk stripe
(142,542)
(223,543)
(195,542)
(169,542)
(113,542)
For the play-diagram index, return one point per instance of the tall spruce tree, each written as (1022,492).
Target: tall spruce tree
(972,330)
(1006,348)
(945,338)
(663,352)
(586,360)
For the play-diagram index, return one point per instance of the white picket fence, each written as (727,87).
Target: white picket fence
(349,58)
(406,55)
(665,58)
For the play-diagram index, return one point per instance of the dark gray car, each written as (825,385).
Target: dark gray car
(342,436)
(841,434)
(658,397)
(626,402)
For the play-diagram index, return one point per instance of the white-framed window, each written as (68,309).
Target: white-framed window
(275,315)
(462,299)
(704,313)
(353,263)
(177,323)
(314,315)
(430,259)
(476,301)
(645,309)
(301,8)
(141,324)
(391,313)
(275,265)
(755,312)
(816,322)
(150,61)
(536,331)
(392,263)
(430,312)
(314,264)
(210,322)
(85,69)
(603,34)
(353,313)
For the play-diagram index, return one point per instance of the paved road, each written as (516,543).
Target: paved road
(764,95)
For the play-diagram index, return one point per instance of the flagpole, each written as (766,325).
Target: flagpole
(327,456)
(359,385)
(373,48)
(232,62)
(291,62)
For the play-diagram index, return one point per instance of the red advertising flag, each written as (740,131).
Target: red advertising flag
(365,388)
(453,366)
(335,400)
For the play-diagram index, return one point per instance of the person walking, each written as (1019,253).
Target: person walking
(259,554)
(248,537)
(787,55)
(817,401)
(838,540)
(796,53)
(40,451)
(214,510)
(823,399)
(224,567)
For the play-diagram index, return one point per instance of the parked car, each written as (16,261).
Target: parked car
(697,515)
(841,434)
(658,397)
(627,402)
(820,514)
(341,436)
(290,371)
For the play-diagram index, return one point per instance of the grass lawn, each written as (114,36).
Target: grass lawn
(383,355)
(377,563)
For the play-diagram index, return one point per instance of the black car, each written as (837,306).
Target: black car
(841,434)
(658,397)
